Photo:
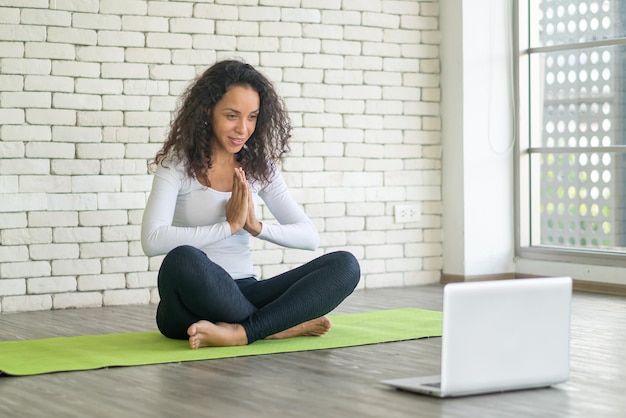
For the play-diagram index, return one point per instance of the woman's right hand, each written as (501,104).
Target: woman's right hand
(237,205)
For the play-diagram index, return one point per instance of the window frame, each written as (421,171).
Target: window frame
(522,155)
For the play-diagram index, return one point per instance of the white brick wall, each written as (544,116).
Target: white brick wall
(87,90)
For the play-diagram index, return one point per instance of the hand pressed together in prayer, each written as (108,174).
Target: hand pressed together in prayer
(240,208)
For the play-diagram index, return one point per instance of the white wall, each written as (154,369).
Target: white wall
(87,89)
(477,137)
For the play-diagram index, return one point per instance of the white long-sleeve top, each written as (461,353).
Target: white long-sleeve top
(181,211)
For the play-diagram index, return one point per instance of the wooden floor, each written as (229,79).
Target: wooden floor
(327,383)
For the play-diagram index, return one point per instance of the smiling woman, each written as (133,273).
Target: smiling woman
(220,157)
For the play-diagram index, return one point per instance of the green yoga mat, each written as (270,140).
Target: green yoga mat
(87,352)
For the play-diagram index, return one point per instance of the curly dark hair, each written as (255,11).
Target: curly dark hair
(190,134)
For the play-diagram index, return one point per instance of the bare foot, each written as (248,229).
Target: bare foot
(220,334)
(314,328)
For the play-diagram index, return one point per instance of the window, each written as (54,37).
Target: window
(572,130)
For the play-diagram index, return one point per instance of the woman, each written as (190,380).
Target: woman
(220,156)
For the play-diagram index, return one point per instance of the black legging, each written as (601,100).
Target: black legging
(192,287)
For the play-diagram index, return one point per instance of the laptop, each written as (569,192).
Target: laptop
(498,336)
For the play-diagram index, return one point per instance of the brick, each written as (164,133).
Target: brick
(12,116)
(126,297)
(51,117)
(72,36)
(215,12)
(299,45)
(42,184)
(85,201)
(118,102)
(52,219)
(11,82)
(99,151)
(12,149)
(104,249)
(49,17)
(144,24)
(120,38)
(26,303)
(380,49)
(75,134)
(95,184)
(100,54)
(149,55)
(168,40)
(124,166)
(77,300)
(343,77)
(96,21)
(77,101)
(9,15)
(41,285)
(421,80)
(341,17)
(194,26)
(125,70)
(25,132)
(9,184)
(25,269)
(19,32)
(362,92)
(76,69)
(123,7)
(75,267)
(24,166)
(48,83)
(322,31)
(305,75)
(13,253)
(75,167)
(25,66)
(305,105)
(147,119)
(214,43)
(223,27)
(25,99)
(103,217)
(49,50)
(147,87)
(101,118)
(20,202)
(124,264)
(380,20)
(163,103)
(170,9)
(141,280)
(360,33)
(257,43)
(172,72)
(9,287)
(403,7)
(419,22)
(125,135)
(142,150)
(126,200)
(363,63)
(12,220)
(101,282)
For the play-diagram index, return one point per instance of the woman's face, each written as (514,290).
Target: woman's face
(234,118)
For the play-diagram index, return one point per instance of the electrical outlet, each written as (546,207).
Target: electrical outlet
(407,213)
